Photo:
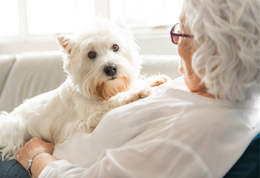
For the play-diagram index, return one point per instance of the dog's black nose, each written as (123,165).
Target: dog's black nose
(110,69)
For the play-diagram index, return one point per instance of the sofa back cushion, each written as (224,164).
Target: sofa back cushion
(31,75)
(161,64)
(6,62)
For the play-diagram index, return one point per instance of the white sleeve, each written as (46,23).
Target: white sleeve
(152,159)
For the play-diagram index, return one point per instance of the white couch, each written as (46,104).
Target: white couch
(26,75)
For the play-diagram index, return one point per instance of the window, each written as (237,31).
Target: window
(145,13)
(9,18)
(57,16)
(30,25)
(43,17)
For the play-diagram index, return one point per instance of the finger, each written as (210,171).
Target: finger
(36,139)
(21,160)
(20,150)
(17,157)
(51,144)
(28,145)
(23,151)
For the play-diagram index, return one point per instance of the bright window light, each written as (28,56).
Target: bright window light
(47,17)
(146,13)
(9,18)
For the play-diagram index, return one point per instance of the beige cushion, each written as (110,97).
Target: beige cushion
(162,64)
(6,62)
(31,75)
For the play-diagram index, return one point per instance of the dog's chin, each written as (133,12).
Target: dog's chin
(110,87)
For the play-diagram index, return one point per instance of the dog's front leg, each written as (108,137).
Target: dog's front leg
(159,80)
(155,80)
(129,96)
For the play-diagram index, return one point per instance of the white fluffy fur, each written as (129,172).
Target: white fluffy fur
(87,94)
(226,33)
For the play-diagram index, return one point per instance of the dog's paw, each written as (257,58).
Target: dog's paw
(135,95)
(143,93)
(130,96)
(159,80)
(139,94)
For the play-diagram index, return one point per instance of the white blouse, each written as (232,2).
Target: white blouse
(172,133)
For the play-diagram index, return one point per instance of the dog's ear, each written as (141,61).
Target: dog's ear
(65,43)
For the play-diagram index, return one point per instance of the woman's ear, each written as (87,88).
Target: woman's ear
(65,43)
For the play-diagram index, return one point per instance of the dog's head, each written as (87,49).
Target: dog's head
(102,60)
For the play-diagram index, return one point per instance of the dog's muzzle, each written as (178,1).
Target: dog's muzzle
(110,69)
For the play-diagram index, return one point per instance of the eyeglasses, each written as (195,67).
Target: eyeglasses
(175,35)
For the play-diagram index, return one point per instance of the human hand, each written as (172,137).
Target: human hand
(32,147)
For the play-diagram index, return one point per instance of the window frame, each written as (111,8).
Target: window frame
(145,36)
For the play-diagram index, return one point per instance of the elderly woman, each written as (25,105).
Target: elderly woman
(195,126)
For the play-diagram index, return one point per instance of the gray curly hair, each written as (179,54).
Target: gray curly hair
(226,35)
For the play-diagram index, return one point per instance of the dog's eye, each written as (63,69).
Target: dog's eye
(115,47)
(92,55)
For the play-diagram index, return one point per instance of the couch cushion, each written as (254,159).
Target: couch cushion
(162,64)
(31,75)
(6,62)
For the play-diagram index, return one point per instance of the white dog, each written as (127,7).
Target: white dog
(102,66)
